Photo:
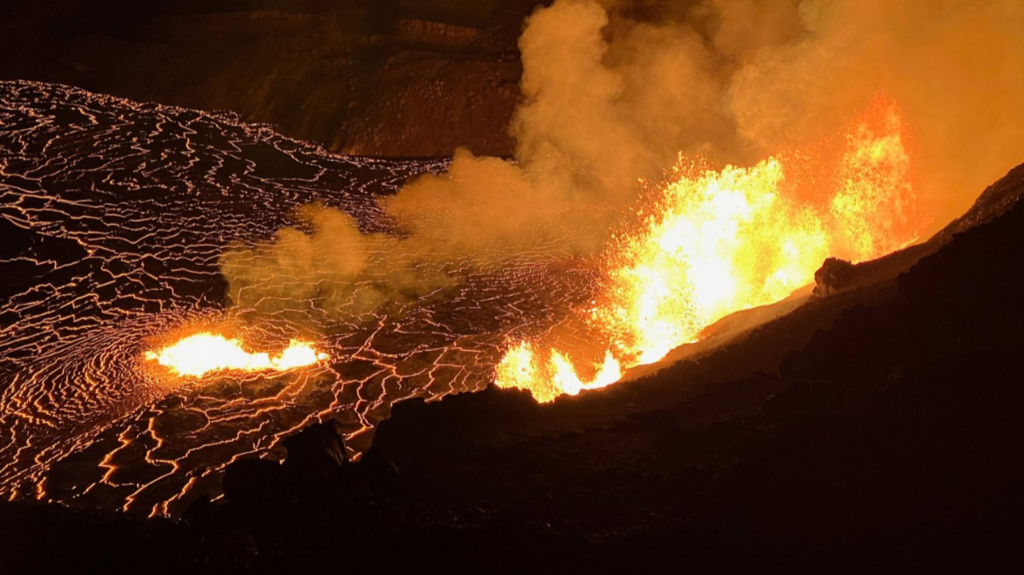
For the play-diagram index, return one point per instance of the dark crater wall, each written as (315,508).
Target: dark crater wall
(390,78)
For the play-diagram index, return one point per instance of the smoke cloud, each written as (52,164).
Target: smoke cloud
(955,67)
(616,90)
(329,265)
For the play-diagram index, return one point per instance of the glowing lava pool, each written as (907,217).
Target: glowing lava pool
(114,216)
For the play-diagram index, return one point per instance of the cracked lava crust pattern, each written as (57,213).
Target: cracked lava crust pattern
(112,220)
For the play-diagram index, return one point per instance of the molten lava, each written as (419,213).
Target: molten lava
(203,353)
(717,242)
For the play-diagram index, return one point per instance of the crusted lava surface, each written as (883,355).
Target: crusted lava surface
(872,428)
(114,215)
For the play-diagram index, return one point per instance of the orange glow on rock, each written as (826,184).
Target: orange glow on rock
(203,353)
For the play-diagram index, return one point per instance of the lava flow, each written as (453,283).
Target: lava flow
(202,353)
(114,246)
(717,242)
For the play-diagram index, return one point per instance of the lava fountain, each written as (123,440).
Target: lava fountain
(203,353)
(714,242)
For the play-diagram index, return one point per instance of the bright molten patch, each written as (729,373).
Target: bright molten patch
(202,353)
(556,376)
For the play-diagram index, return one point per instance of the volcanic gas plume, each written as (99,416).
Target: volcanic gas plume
(765,137)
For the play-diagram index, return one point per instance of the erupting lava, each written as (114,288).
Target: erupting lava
(203,353)
(716,242)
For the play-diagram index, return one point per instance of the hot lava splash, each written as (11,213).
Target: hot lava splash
(711,243)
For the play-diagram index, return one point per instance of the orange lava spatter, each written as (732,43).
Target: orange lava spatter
(203,353)
(717,242)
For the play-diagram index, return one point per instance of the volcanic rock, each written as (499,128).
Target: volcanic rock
(318,446)
(315,456)
(253,480)
(833,276)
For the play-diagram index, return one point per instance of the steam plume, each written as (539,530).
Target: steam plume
(615,90)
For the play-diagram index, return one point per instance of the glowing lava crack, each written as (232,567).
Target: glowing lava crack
(204,353)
